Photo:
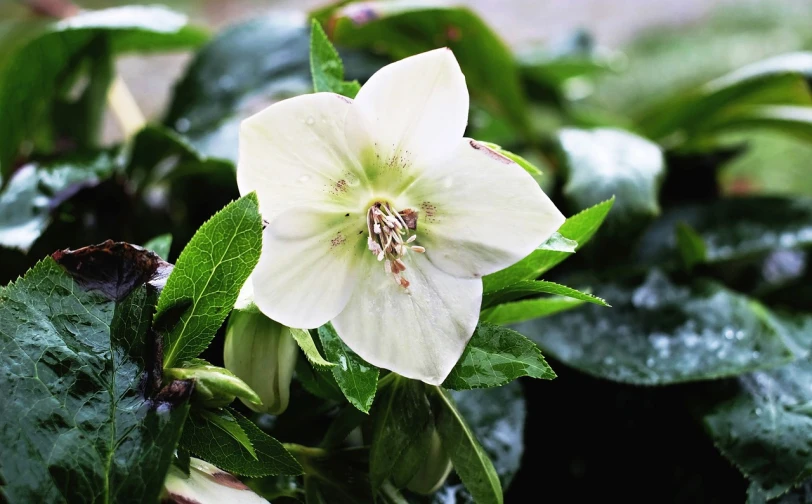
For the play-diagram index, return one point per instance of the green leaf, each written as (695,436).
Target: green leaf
(308,346)
(529,309)
(659,332)
(225,421)
(402,29)
(33,192)
(579,228)
(691,246)
(789,119)
(401,416)
(326,66)
(319,382)
(28,92)
(160,245)
(496,356)
(76,354)
(559,243)
(529,287)
(470,461)
(357,379)
(221,444)
(207,279)
(605,162)
(766,428)
(336,476)
(778,80)
(736,228)
(214,386)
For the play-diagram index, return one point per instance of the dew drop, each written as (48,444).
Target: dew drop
(182,125)
(304,178)
(757,411)
(310,121)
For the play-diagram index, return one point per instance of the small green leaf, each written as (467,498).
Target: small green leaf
(357,379)
(319,382)
(691,247)
(495,356)
(604,162)
(579,228)
(326,66)
(160,245)
(213,443)
(227,423)
(308,346)
(659,332)
(207,279)
(470,461)
(214,386)
(400,418)
(529,287)
(529,309)
(558,243)
(79,421)
(766,428)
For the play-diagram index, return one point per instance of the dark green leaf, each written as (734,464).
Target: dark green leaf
(77,356)
(470,461)
(160,245)
(336,476)
(496,356)
(580,228)
(605,162)
(207,278)
(528,309)
(326,66)
(28,91)
(357,379)
(226,422)
(801,494)
(319,382)
(35,190)
(766,429)
(221,444)
(735,228)
(660,332)
(530,287)
(402,29)
(400,418)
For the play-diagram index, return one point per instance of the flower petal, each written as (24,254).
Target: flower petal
(479,212)
(409,112)
(308,266)
(419,332)
(294,153)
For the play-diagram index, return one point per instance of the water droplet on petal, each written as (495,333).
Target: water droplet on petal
(304,178)
(310,121)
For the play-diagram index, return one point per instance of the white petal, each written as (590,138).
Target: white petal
(294,153)
(206,484)
(409,112)
(419,332)
(308,265)
(479,212)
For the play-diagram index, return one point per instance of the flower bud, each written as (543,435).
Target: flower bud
(435,469)
(262,353)
(215,387)
(205,484)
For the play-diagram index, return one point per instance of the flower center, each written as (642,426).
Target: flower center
(391,235)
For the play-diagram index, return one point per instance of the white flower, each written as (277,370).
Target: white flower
(205,484)
(383,218)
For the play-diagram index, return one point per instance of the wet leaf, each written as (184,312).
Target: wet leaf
(326,66)
(357,379)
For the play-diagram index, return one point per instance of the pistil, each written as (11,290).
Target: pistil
(390,238)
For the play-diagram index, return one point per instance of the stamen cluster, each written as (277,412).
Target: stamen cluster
(390,236)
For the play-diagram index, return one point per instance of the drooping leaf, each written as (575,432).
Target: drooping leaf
(84,418)
(659,332)
(35,190)
(528,309)
(605,162)
(496,356)
(460,443)
(28,91)
(404,28)
(217,441)
(530,287)
(207,278)
(160,245)
(357,379)
(308,346)
(326,66)
(766,428)
(400,418)
(735,228)
(580,228)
